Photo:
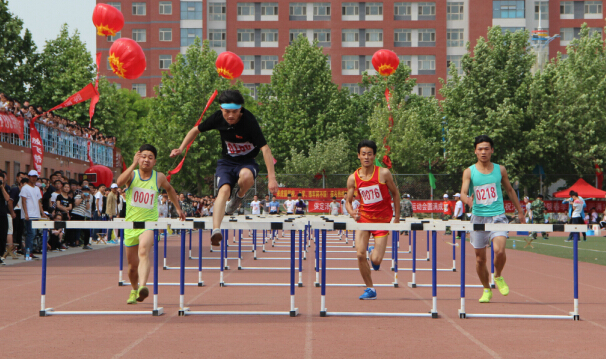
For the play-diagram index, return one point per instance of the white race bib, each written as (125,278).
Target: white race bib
(239,149)
(143,198)
(486,194)
(371,194)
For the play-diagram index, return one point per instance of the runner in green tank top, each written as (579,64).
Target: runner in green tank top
(481,190)
(142,206)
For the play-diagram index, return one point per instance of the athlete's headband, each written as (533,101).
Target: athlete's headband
(230,106)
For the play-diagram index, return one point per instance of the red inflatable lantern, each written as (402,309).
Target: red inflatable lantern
(104,175)
(385,62)
(229,65)
(107,19)
(127,59)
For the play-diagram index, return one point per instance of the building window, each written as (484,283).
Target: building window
(374,35)
(454,11)
(216,37)
(269,9)
(252,88)
(297,9)
(115,37)
(246,8)
(294,34)
(508,9)
(141,89)
(249,62)
(139,35)
(427,63)
(268,62)
(353,89)
(403,35)
(216,11)
(374,8)
(350,9)
(117,5)
(166,34)
(350,35)
(328,62)
(456,60)
(246,35)
(427,9)
(138,8)
(322,9)
(165,61)
(567,7)
(166,8)
(188,36)
(566,34)
(109,67)
(427,35)
(593,30)
(511,29)
(322,35)
(593,7)
(402,9)
(427,90)
(191,10)
(269,35)
(544,7)
(350,62)
(454,38)
(406,60)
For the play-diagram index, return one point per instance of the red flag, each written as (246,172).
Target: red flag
(9,123)
(85,94)
(37,147)
(178,168)
(95,99)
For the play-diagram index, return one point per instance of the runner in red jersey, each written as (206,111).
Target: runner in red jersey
(375,187)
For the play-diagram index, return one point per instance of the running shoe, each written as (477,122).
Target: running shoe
(132,298)
(369,294)
(142,293)
(87,247)
(500,282)
(375,267)
(216,237)
(234,202)
(486,296)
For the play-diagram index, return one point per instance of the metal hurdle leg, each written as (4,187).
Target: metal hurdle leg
(120,280)
(317,249)
(300,284)
(413,284)
(165,244)
(492,285)
(428,257)
(454,251)
(239,249)
(190,244)
(434,279)
(200,281)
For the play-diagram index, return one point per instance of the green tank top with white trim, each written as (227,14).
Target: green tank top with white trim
(486,191)
(142,198)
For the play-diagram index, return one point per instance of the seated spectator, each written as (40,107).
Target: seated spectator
(57,236)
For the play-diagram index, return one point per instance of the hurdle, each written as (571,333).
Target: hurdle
(293,226)
(370,227)
(498,227)
(49,225)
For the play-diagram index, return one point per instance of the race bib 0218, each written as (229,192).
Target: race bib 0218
(485,194)
(143,198)
(371,194)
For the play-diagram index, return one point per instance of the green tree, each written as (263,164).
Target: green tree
(331,156)
(302,105)
(18,58)
(66,67)
(491,98)
(178,105)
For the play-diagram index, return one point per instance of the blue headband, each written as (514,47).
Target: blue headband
(230,106)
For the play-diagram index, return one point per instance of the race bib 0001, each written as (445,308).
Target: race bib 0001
(485,194)
(371,194)
(143,198)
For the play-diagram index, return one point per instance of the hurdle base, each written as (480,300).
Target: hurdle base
(322,313)
(158,312)
(462,315)
(316,284)
(454,269)
(164,268)
(201,284)
(121,283)
(239,268)
(412,285)
(492,286)
(575,317)
(434,315)
(182,311)
(294,313)
(300,285)
(396,285)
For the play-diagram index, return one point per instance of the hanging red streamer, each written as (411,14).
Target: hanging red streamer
(178,168)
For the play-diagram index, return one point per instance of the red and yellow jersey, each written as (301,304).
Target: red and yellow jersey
(375,199)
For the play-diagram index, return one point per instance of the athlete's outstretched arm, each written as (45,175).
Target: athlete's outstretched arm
(351,187)
(513,196)
(393,189)
(127,176)
(191,135)
(271,172)
(465,188)
(172,194)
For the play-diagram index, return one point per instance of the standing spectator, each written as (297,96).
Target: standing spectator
(538,215)
(64,204)
(4,216)
(334,207)
(458,211)
(122,203)
(289,205)
(265,204)
(527,209)
(163,206)
(15,202)
(593,219)
(572,206)
(111,208)
(82,212)
(447,212)
(343,201)
(274,206)
(9,217)
(52,205)
(255,205)
(406,206)
(99,209)
(300,206)
(31,200)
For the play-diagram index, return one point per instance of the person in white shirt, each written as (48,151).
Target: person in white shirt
(355,204)
(334,207)
(163,206)
(527,205)
(343,201)
(458,211)
(31,202)
(255,205)
(289,205)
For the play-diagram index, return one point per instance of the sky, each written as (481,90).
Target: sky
(44,18)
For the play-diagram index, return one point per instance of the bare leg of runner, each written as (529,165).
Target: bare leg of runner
(361,244)
(500,258)
(481,267)
(245,181)
(379,251)
(146,242)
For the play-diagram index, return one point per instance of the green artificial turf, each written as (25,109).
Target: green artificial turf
(591,251)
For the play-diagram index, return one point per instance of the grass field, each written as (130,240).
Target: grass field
(592,251)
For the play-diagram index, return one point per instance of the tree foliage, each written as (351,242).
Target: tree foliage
(328,156)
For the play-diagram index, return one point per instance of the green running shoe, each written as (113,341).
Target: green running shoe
(503,288)
(132,298)
(486,296)
(142,293)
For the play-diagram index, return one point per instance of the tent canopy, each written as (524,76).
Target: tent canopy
(584,190)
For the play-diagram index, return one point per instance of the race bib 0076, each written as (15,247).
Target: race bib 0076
(143,198)
(371,194)
(486,194)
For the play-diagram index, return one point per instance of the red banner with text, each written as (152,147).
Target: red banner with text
(37,147)
(325,194)
(550,206)
(9,123)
